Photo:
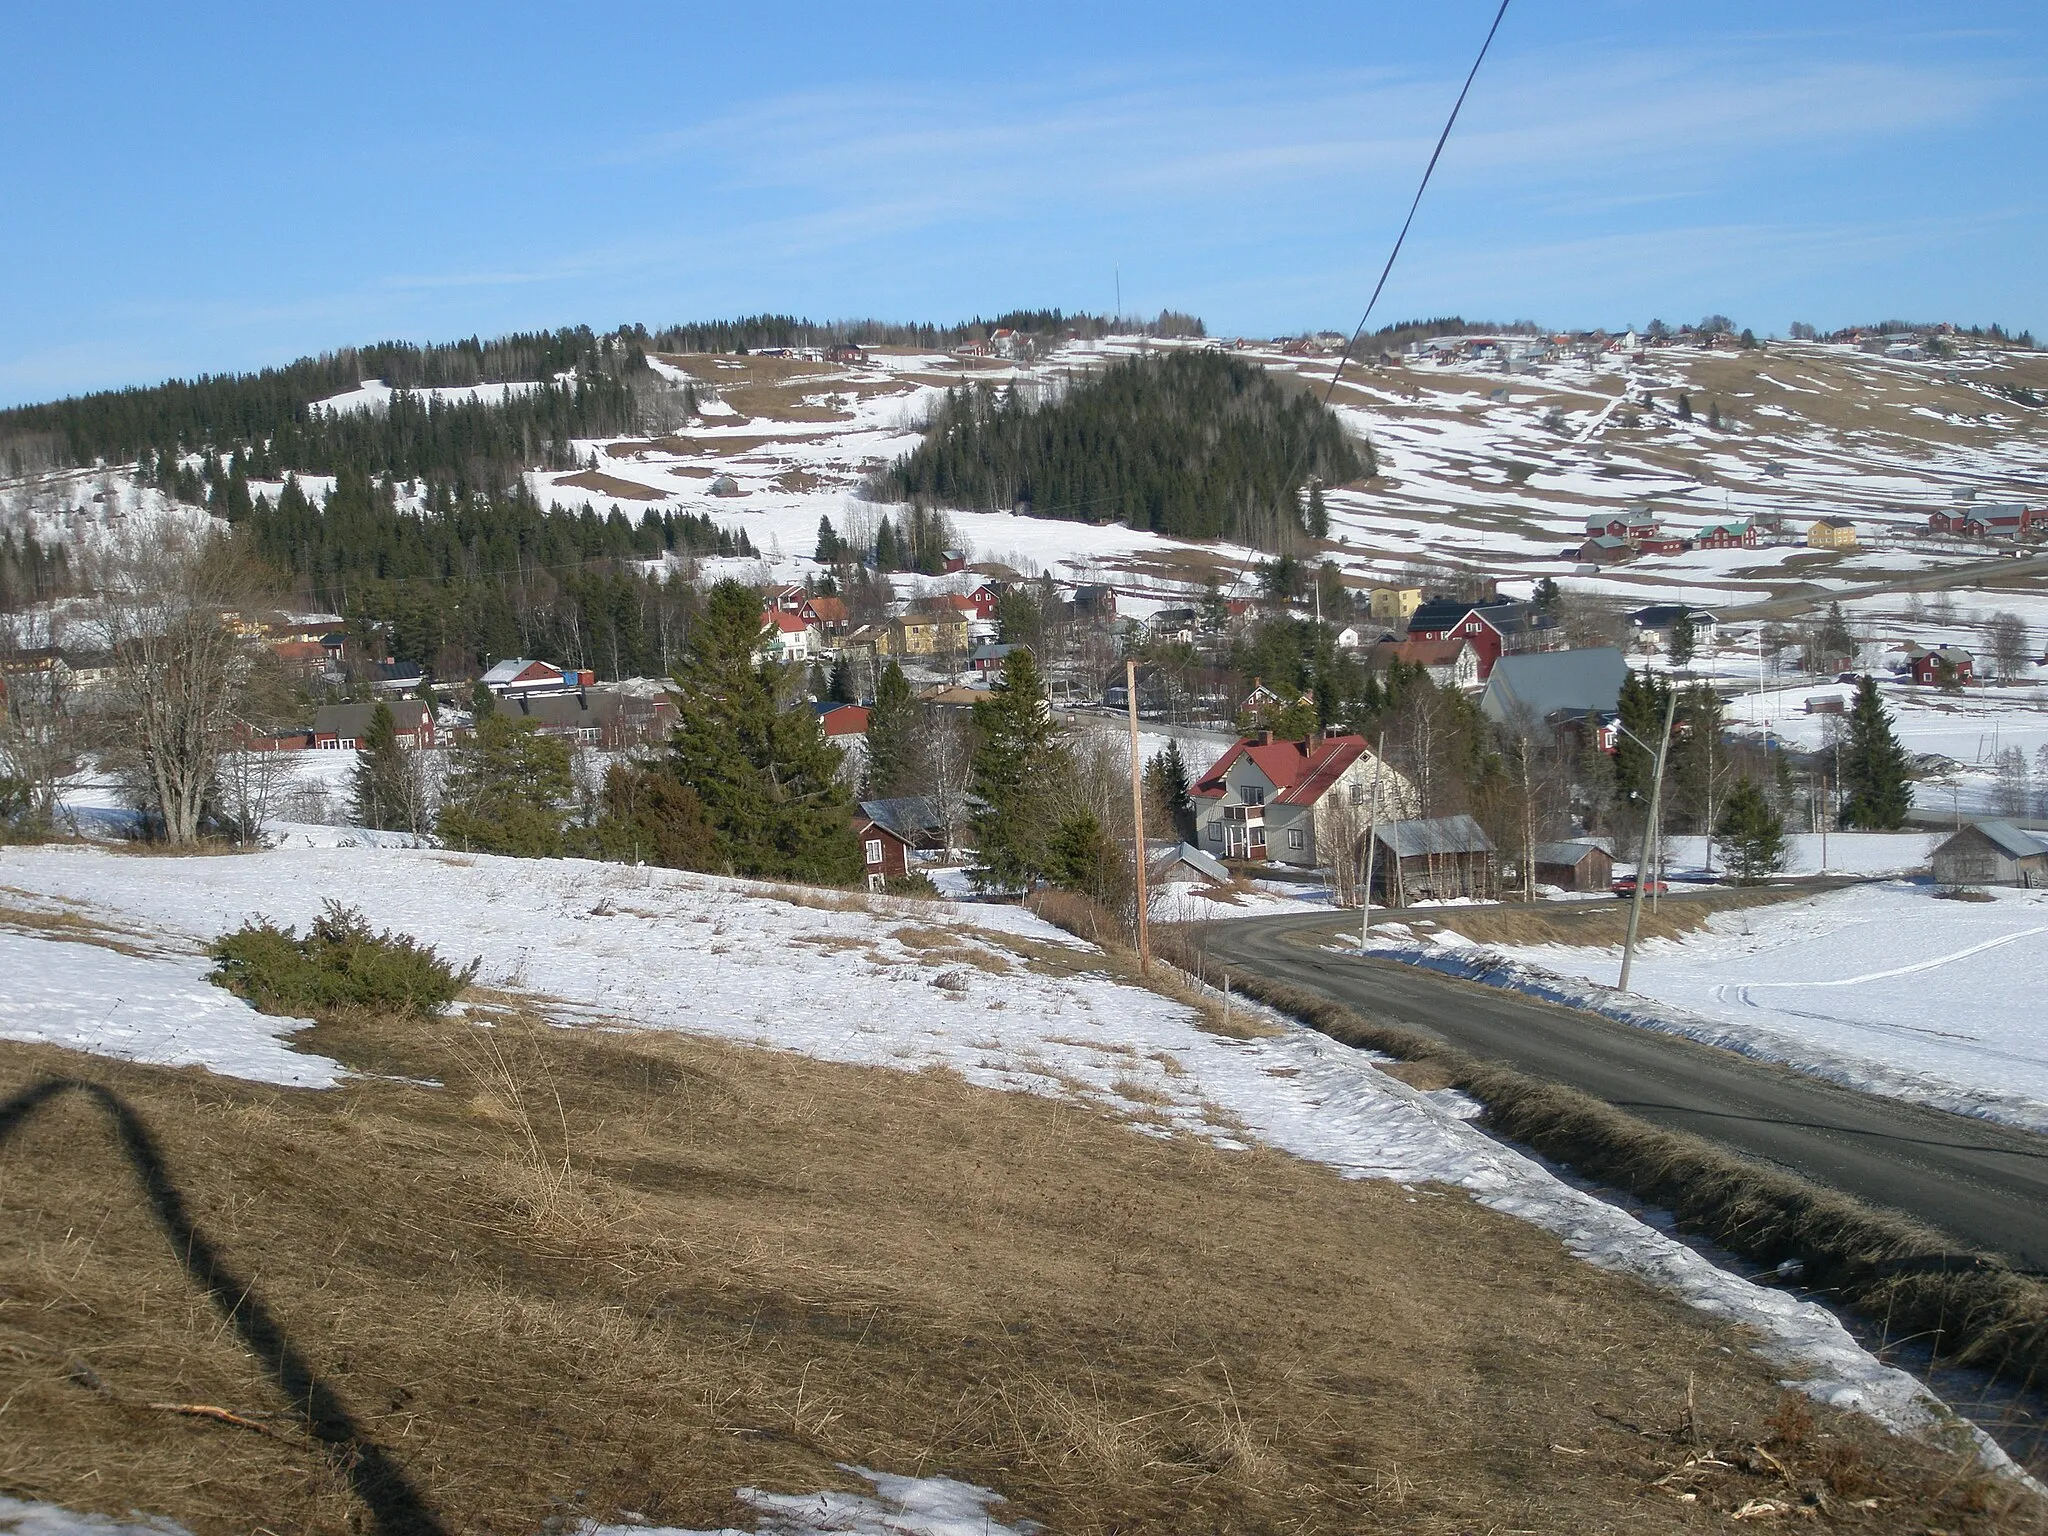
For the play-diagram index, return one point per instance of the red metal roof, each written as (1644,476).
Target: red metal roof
(1301,772)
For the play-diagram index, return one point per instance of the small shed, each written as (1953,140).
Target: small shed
(1575,866)
(1992,853)
(1187,865)
(1434,860)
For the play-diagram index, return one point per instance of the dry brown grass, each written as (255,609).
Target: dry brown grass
(603,1272)
(610,485)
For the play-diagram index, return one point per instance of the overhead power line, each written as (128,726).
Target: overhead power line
(1428,170)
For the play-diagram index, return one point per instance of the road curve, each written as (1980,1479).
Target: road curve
(1986,1185)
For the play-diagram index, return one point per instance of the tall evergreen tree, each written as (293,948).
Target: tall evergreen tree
(1018,768)
(1643,697)
(1684,639)
(1752,835)
(892,766)
(766,777)
(1876,794)
(1166,781)
(507,792)
(830,550)
(384,791)
(1836,642)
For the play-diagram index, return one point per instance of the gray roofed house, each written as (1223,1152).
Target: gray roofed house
(590,714)
(342,727)
(1446,857)
(1583,864)
(1538,687)
(1187,864)
(1992,853)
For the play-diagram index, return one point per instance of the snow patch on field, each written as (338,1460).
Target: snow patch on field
(28,1517)
(1884,988)
(154,1008)
(901,1506)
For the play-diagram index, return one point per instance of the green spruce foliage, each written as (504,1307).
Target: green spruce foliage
(1877,794)
(1081,856)
(507,789)
(1194,444)
(765,776)
(1166,783)
(892,755)
(1752,834)
(1018,768)
(340,964)
(1643,699)
(384,792)
(648,817)
(1684,640)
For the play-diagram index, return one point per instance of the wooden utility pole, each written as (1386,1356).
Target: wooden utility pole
(1138,818)
(1635,906)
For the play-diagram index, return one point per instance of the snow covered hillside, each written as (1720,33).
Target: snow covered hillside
(987,992)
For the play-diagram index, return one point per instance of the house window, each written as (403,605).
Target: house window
(1294,838)
(874,850)
(1252,794)
(1358,794)
(1215,831)
(874,882)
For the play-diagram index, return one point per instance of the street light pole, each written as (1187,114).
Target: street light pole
(1372,842)
(1635,906)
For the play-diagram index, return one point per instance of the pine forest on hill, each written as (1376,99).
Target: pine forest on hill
(1191,444)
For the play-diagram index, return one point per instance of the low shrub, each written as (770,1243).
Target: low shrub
(340,964)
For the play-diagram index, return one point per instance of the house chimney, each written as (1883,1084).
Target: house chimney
(1262,737)
(1315,741)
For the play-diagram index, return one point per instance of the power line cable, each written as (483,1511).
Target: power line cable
(1429,170)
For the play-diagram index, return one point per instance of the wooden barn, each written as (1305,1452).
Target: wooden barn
(1431,861)
(1992,853)
(1574,866)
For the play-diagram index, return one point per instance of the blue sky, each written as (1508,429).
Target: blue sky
(211,187)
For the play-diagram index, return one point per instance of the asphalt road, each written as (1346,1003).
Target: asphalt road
(1985,1185)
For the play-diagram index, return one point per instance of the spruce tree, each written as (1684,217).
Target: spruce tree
(647,817)
(1752,835)
(842,689)
(1643,697)
(1684,639)
(507,792)
(1166,782)
(766,776)
(1876,792)
(892,738)
(1836,642)
(383,791)
(1018,769)
(830,550)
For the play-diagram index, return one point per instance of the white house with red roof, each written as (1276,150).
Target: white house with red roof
(1294,801)
(787,638)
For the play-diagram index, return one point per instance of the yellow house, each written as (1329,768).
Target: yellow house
(1393,604)
(927,634)
(1832,533)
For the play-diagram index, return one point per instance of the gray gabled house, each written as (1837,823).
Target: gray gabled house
(1552,687)
(1992,853)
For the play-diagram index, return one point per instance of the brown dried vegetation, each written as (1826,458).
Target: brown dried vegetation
(596,1272)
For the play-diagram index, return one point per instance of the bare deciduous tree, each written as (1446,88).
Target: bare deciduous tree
(169,606)
(2006,638)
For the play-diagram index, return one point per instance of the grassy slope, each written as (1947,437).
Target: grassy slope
(602,1272)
